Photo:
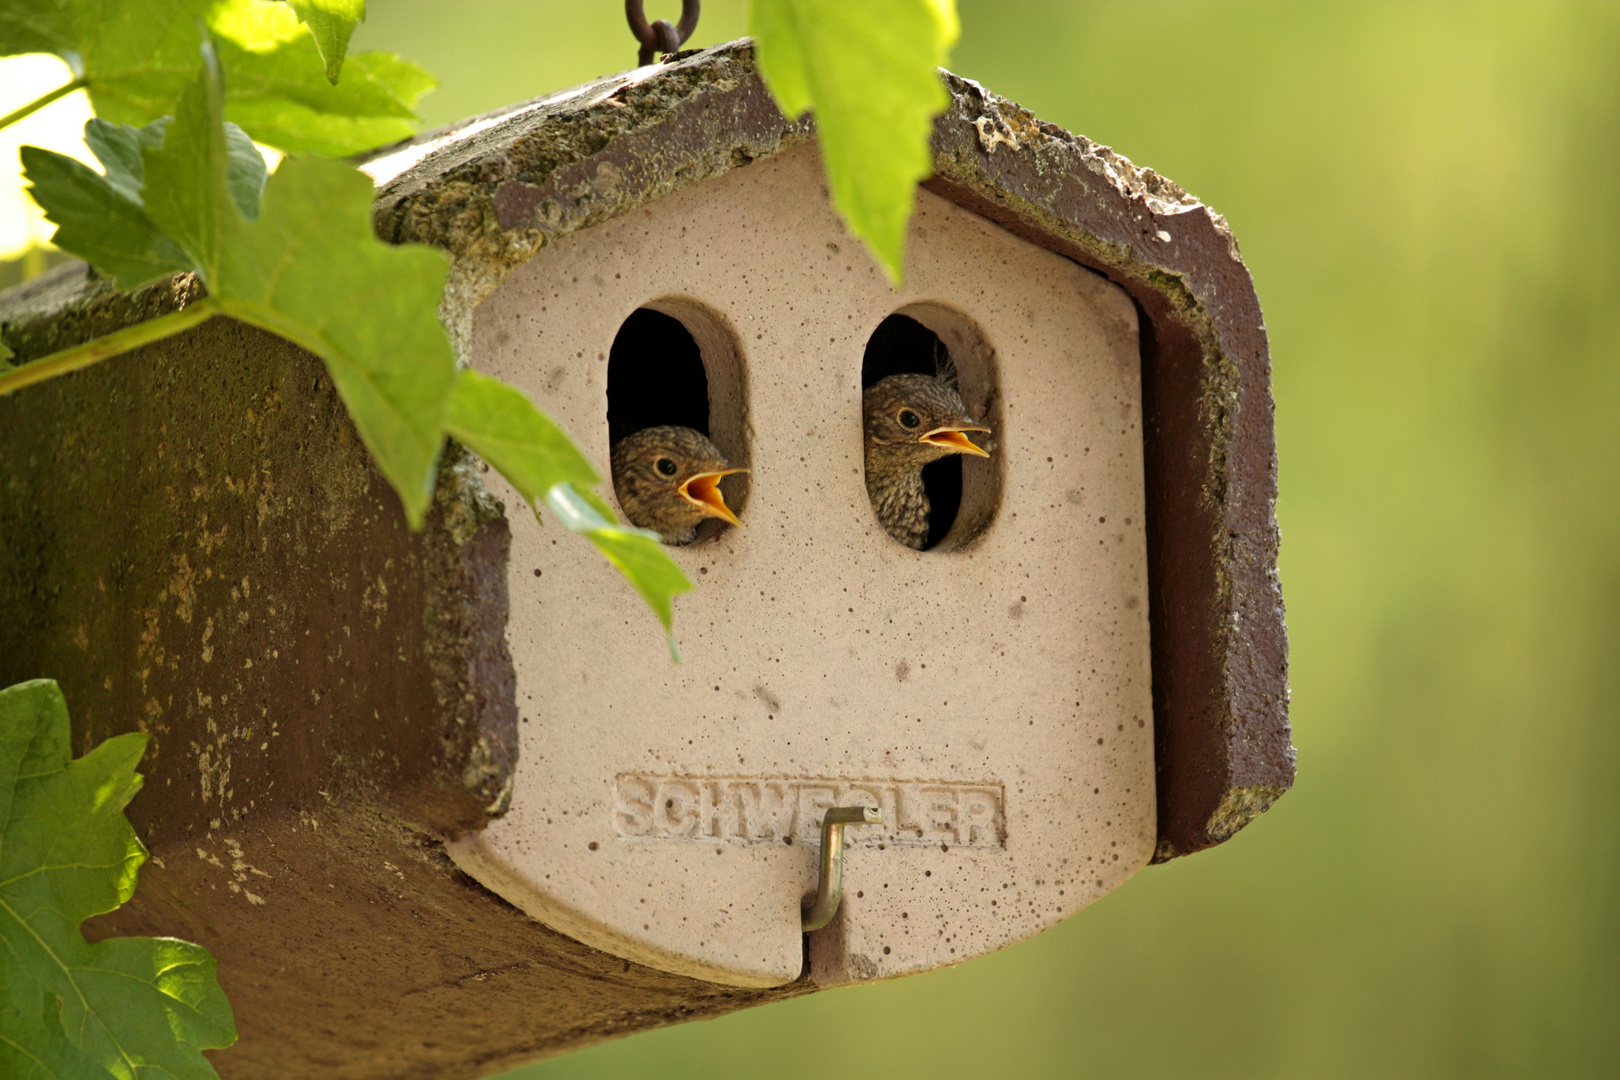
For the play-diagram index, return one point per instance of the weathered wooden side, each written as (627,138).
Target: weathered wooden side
(1220,647)
(194,544)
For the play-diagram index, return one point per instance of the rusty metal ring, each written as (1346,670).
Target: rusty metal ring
(660,36)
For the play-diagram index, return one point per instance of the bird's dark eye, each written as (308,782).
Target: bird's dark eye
(665,466)
(909,418)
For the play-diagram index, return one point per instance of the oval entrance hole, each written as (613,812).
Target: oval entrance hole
(928,340)
(655,376)
(673,362)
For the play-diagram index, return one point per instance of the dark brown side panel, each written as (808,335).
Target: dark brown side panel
(194,544)
(1220,674)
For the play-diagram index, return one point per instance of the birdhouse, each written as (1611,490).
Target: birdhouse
(1078,668)
(1061,659)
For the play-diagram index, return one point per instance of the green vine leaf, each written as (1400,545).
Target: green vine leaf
(871,73)
(279,91)
(133,54)
(34,28)
(303,262)
(135,57)
(99,220)
(129,1007)
(635,552)
(500,424)
(119,149)
(309,268)
(103,219)
(330,23)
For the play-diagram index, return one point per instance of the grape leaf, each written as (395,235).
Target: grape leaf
(121,149)
(135,57)
(43,1052)
(98,220)
(125,50)
(635,552)
(103,218)
(118,147)
(33,27)
(501,425)
(125,1006)
(311,269)
(504,428)
(278,88)
(871,73)
(330,23)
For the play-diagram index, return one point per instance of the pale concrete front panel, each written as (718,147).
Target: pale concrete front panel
(992,696)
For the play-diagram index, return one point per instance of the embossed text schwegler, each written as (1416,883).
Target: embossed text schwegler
(757,810)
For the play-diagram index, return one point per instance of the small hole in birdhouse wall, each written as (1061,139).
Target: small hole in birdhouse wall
(655,376)
(945,358)
(674,364)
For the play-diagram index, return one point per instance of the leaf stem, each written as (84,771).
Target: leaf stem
(40,102)
(104,348)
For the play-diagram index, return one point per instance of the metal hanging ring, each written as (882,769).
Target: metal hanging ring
(659,36)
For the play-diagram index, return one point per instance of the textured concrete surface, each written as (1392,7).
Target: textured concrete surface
(497,189)
(993,696)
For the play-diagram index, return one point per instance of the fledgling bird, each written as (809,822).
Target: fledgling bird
(668,480)
(911,420)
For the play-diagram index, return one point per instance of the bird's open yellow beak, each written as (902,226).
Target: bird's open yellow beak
(952,439)
(703,492)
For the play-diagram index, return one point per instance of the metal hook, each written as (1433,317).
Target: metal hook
(660,36)
(830,886)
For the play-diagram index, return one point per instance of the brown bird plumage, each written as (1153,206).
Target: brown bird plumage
(911,420)
(668,480)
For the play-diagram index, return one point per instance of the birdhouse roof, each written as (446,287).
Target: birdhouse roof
(495,189)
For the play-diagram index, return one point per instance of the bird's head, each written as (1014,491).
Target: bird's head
(914,419)
(668,480)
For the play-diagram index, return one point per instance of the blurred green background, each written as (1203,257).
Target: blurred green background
(1428,196)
